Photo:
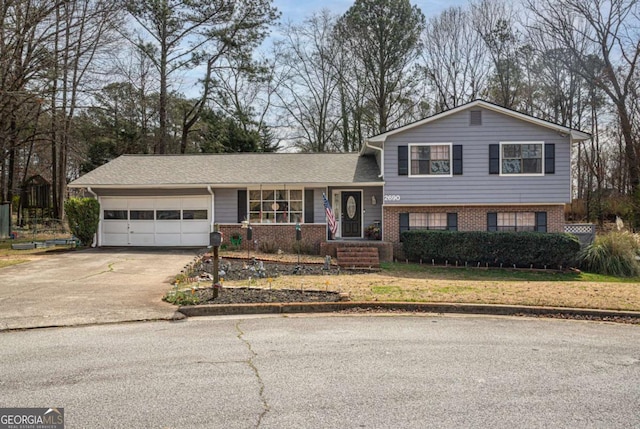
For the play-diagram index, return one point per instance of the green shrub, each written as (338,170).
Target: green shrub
(83,215)
(612,254)
(522,249)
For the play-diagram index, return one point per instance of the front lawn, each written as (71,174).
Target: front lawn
(424,283)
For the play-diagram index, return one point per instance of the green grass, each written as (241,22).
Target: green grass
(497,274)
(384,290)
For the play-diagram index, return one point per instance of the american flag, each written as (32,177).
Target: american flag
(331,219)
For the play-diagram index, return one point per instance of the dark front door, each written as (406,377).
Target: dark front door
(351,214)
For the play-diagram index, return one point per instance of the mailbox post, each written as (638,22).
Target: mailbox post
(298,238)
(215,238)
(249,240)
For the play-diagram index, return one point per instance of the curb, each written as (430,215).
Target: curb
(422,307)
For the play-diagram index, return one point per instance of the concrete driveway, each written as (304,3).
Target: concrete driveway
(90,286)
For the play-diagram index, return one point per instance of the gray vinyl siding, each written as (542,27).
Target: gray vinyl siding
(372,213)
(226,205)
(476,185)
(318,206)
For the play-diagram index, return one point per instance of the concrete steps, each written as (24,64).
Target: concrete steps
(358,257)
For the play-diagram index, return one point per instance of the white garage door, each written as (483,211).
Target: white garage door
(153,221)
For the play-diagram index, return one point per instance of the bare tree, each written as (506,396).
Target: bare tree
(609,28)
(455,59)
(307,84)
(25,35)
(495,21)
(83,31)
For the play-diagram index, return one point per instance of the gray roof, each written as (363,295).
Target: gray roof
(233,169)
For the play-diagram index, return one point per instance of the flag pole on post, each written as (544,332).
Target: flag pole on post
(331,218)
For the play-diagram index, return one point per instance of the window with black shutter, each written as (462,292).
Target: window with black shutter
(457,159)
(403,160)
(404,223)
(492,221)
(242,205)
(308,206)
(549,158)
(452,221)
(494,159)
(541,221)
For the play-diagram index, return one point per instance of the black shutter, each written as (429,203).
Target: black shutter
(403,160)
(242,205)
(452,221)
(492,221)
(457,159)
(549,158)
(404,223)
(308,206)
(541,221)
(494,159)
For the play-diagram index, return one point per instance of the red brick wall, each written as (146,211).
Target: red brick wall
(284,236)
(470,218)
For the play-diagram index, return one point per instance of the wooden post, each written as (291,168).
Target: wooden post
(216,260)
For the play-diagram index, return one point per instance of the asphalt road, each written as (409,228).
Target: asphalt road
(329,372)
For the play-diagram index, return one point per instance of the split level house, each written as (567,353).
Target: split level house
(477,167)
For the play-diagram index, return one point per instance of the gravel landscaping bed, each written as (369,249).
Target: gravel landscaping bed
(243,295)
(231,269)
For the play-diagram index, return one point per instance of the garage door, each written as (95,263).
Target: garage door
(146,221)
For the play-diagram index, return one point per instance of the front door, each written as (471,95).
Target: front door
(351,214)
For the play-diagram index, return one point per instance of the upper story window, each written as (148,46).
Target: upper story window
(521,158)
(275,206)
(430,159)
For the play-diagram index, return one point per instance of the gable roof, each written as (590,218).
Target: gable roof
(238,169)
(575,134)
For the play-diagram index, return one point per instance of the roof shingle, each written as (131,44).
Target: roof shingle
(233,169)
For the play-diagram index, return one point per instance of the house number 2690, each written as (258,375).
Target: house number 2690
(391,198)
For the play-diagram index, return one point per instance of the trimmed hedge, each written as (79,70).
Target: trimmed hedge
(522,249)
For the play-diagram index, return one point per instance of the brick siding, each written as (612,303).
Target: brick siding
(283,236)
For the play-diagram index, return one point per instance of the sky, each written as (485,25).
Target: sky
(297,10)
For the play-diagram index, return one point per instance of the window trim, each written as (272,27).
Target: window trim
(275,189)
(448,144)
(542,158)
(428,216)
(516,227)
(537,225)
(112,219)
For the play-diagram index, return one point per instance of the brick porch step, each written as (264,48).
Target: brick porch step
(358,257)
